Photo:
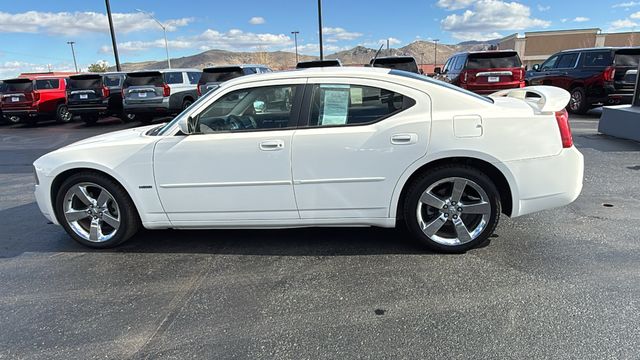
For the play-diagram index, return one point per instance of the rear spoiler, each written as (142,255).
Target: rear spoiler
(541,98)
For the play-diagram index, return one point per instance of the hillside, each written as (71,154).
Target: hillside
(422,51)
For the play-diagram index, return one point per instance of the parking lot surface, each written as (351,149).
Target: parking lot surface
(563,283)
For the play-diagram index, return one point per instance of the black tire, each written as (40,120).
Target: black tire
(186,103)
(129,221)
(62,114)
(144,119)
(126,117)
(89,120)
(438,181)
(578,102)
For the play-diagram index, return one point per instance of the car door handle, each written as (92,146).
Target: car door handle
(404,139)
(272,145)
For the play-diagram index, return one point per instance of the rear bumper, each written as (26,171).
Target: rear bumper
(148,108)
(548,182)
(79,110)
(22,112)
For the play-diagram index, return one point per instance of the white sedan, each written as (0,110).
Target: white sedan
(323,147)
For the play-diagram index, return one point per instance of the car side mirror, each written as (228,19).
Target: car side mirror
(437,70)
(536,67)
(187,125)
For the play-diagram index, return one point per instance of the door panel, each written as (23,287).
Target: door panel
(226,176)
(351,170)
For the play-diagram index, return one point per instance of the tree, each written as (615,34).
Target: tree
(98,67)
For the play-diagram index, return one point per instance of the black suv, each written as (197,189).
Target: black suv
(212,77)
(595,76)
(93,95)
(406,63)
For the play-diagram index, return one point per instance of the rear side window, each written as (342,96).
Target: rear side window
(194,77)
(341,104)
(494,60)
(111,80)
(173,78)
(595,59)
(144,78)
(567,61)
(47,84)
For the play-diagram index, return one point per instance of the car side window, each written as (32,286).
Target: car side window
(173,78)
(47,84)
(550,63)
(597,59)
(567,61)
(343,105)
(446,66)
(259,108)
(194,77)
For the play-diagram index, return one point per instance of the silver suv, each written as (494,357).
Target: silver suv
(149,94)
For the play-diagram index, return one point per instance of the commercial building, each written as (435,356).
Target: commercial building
(536,46)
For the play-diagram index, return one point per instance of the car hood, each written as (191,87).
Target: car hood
(116,136)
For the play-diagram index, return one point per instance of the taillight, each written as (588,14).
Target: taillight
(609,73)
(199,90)
(105,91)
(166,90)
(562,117)
(518,74)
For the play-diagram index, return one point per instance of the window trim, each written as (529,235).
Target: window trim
(294,118)
(305,118)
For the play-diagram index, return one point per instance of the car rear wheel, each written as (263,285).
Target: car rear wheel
(452,209)
(144,119)
(62,114)
(578,101)
(95,210)
(127,117)
(13,119)
(186,103)
(89,120)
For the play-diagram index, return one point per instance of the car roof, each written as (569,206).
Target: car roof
(612,48)
(338,71)
(484,52)
(162,71)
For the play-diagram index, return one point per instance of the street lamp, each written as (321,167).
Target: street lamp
(435,52)
(164,29)
(320,27)
(73,52)
(295,37)
(113,36)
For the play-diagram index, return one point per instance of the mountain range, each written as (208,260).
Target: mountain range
(425,52)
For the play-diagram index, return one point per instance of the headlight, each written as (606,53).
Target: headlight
(35,174)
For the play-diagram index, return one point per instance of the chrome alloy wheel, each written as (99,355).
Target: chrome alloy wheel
(575,101)
(65,115)
(91,212)
(453,211)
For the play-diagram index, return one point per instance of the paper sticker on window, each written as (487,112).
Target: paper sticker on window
(335,106)
(356,96)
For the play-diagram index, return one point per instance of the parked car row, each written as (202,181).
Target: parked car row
(138,95)
(593,76)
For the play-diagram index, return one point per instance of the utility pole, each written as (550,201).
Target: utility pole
(320,27)
(295,37)
(435,52)
(388,52)
(73,52)
(164,29)
(113,36)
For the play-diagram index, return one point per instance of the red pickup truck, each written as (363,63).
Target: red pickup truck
(32,98)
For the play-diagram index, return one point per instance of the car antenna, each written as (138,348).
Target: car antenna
(375,57)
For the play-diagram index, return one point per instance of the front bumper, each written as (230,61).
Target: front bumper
(43,198)
(549,182)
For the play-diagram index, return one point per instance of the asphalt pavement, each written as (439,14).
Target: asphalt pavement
(559,284)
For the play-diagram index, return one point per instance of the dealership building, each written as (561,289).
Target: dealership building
(535,47)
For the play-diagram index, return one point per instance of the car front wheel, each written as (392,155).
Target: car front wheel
(62,114)
(452,209)
(95,210)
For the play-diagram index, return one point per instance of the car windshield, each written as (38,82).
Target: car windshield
(439,83)
(220,75)
(84,82)
(144,78)
(493,60)
(406,64)
(23,85)
(628,57)
(111,80)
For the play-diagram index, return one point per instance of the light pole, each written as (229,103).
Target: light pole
(295,39)
(113,36)
(73,52)
(435,52)
(164,29)
(320,27)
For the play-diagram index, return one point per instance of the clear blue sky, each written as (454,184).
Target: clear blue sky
(33,34)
